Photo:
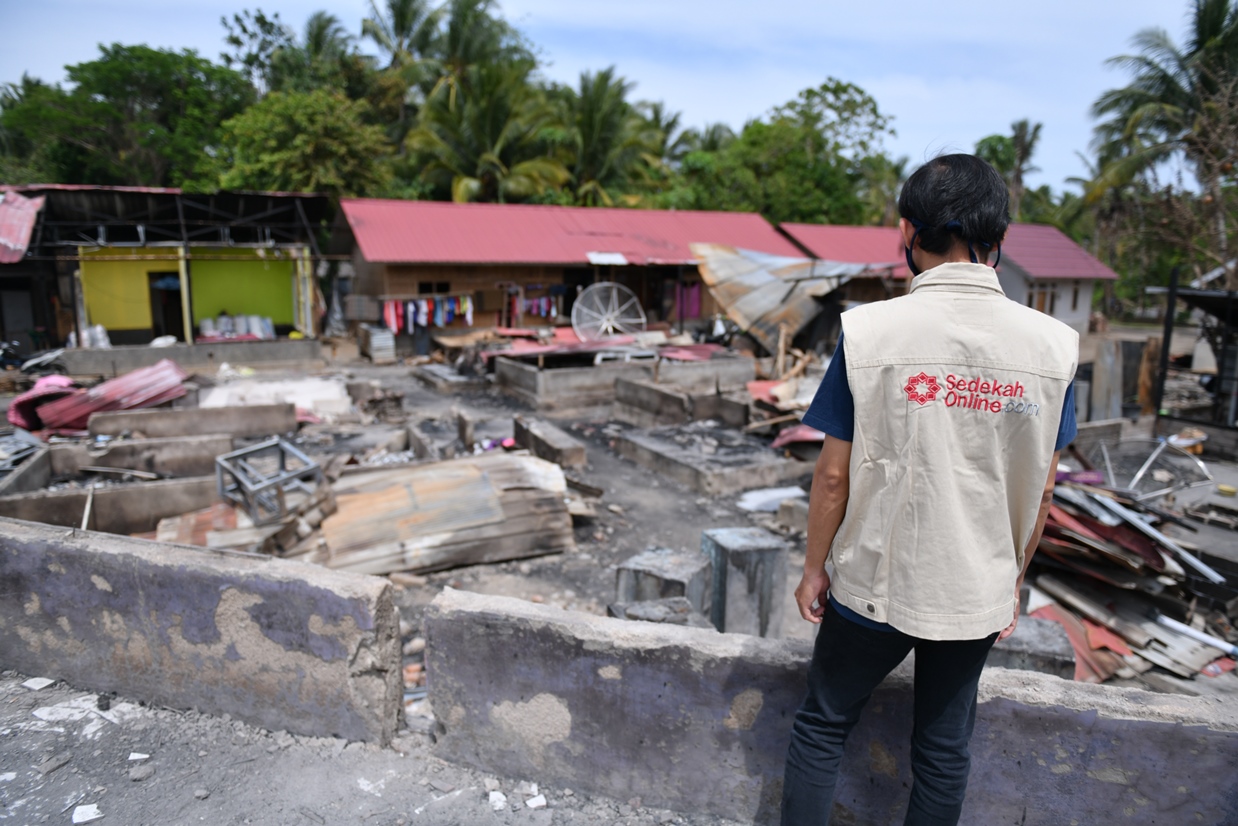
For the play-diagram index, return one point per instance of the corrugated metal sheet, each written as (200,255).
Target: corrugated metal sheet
(446,233)
(145,387)
(17,216)
(762,292)
(1040,251)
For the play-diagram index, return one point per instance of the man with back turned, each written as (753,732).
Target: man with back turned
(944,412)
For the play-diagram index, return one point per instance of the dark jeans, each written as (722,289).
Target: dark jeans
(849,661)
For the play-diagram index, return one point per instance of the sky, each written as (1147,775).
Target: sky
(949,72)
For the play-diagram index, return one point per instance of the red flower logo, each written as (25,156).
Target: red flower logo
(925,395)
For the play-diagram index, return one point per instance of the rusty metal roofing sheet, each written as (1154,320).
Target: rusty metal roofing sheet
(17,216)
(144,387)
(448,233)
(762,292)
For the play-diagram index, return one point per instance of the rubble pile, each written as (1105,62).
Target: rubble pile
(1130,596)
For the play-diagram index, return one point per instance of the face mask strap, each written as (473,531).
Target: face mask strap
(911,264)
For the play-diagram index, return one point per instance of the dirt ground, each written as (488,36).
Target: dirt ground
(215,770)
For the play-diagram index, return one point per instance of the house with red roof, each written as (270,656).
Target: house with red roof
(518,264)
(1040,266)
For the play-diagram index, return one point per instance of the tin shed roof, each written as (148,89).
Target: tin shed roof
(449,233)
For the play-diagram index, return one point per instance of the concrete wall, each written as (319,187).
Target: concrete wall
(123,509)
(304,353)
(182,456)
(255,420)
(278,644)
(719,373)
(697,721)
(32,474)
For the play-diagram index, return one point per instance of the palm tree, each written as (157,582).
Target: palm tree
(491,139)
(1023,139)
(1171,108)
(882,179)
(406,32)
(672,144)
(613,146)
(472,35)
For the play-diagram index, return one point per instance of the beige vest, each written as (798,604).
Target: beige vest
(958,397)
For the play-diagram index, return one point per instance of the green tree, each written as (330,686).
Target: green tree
(614,149)
(136,116)
(881,180)
(491,138)
(254,40)
(1181,102)
(315,141)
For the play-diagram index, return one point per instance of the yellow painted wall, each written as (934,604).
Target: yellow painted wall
(246,284)
(117,292)
(239,281)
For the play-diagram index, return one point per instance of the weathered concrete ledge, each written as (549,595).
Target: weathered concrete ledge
(698,721)
(123,509)
(548,442)
(255,420)
(180,456)
(278,644)
(115,361)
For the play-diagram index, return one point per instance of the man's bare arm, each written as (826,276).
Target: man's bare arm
(831,487)
(1046,499)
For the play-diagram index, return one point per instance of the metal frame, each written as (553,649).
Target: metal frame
(265,497)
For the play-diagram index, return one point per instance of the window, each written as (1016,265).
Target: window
(1074,298)
(1042,297)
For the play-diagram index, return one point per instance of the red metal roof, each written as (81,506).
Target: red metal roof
(448,233)
(1040,251)
(1046,252)
(852,245)
(17,217)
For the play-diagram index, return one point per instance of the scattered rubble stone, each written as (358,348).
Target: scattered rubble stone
(141,772)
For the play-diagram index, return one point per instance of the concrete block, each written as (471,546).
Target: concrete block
(742,464)
(749,581)
(419,444)
(305,354)
(1036,645)
(548,442)
(254,420)
(31,475)
(699,722)
(645,404)
(728,411)
(659,573)
(466,429)
(672,610)
(278,644)
(123,509)
(180,456)
(793,514)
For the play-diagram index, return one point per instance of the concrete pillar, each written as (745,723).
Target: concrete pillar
(659,573)
(749,578)
(466,429)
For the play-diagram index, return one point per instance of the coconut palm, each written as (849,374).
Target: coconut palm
(1179,102)
(489,139)
(612,146)
(672,144)
(405,32)
(1023,139)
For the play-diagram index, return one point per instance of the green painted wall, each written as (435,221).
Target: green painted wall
(248,285)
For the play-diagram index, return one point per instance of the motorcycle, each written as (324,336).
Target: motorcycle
(45,363)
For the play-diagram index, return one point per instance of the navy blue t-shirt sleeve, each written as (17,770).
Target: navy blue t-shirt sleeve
(833,408)
(1067,428)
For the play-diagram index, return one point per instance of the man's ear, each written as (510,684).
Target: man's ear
(907,230)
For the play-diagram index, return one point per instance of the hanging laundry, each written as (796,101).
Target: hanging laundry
(410,315)
(467,303)
(392,316)
(438,312)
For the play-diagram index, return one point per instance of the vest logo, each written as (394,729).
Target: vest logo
(922,389)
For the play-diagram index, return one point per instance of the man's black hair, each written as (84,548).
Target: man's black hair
(956,196)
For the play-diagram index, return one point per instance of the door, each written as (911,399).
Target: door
(166,315)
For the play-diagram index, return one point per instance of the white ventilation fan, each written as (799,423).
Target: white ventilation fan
(607,309)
